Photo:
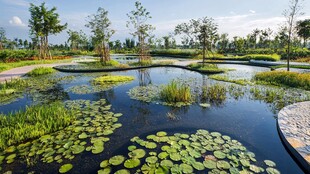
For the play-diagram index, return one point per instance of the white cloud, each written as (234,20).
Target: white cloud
(252,11)
(17,2)
(16,21)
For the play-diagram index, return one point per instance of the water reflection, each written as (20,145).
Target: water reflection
(144,77)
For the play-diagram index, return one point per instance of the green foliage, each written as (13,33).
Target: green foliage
(34,122)
(10,91)
(291,66)
(141,63)
(112,79)
(272,57)
(226,79)
(184,53)
(40,71)
(215,93)
(16,55)
(176,92)
(207,68)
(291,79)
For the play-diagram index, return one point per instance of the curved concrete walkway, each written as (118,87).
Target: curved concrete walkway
(21,71)
(294,129)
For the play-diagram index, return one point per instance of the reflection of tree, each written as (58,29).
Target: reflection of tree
(174,113)
(144,77)
(142,112)
(108,95)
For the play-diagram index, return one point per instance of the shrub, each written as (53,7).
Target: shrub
(176,92)
(17,55)
(175,52)
(271,57)
(40,71)
(34,122)
(292,79)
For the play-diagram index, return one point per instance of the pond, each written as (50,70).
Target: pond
(243,116)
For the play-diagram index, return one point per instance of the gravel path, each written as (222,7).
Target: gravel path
(20,71)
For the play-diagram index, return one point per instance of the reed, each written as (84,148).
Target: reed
(176,92)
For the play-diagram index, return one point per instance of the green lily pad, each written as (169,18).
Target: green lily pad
(163,155)
(245,163)
(234,170)
(10,149)
(205,105)
(131,148)
(256,169)
(151,159)
(132,163)
(150,145)
(10,157)
(122,171)
(65,168)
(76,149)
(209,164)
(83,135)
(270,163)
(223,165)
(117,160)
(186,168)
(104,163)
(219,154)
(175,156)
(271,170)
(105,171)
(137,153)
(97,148)
(198,166)
(161,134)
(118,115)
(166,163)
(107,132)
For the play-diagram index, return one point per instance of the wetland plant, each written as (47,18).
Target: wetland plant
(208,68)
(175,92)
(215,93)
(112,79)
(40,71)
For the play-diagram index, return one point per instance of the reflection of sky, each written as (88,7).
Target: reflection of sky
(242,71)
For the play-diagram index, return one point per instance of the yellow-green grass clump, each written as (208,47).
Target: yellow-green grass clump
(112,79)
(176,92)
(207,68)
(291,79)
(34,122)
(40,71)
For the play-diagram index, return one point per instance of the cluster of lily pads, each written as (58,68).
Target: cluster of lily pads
(187,153)
(89,132)
(99,84)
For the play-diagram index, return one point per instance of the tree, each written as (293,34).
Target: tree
(188,30)
(100,26)
(303,30)
(2,38)
(142,30)
(204,30)
(42,23)
(25,44)
(77,39)
(291,14)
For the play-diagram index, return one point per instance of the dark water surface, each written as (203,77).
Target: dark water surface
(251,122)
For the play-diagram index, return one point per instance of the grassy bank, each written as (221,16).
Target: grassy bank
(8,66)
(279,78)
(207,68)
(291,66)
(40,71)
(265,57)
(34,122)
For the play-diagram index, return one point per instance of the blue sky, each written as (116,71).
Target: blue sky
(235,17)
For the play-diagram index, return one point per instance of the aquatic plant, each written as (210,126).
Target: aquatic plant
(89,132)
(202,151)
(40,71)
(207,68)
(34,122)
(226,79)
(111,79)
(175,92)
(214,93)
(280,78)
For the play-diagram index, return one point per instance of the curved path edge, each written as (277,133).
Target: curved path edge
(294,129)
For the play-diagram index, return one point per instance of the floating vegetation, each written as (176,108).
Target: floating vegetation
(40,71)
(205,151)
(207,68)
(103,80)
(226,79)
(87,134)
(213,93)
(205,105)
(11,91)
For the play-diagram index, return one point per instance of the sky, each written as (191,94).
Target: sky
(235,17)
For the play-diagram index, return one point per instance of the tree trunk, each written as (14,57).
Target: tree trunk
(203,51)
(288,52)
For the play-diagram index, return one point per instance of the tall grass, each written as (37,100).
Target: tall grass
(34,122)
(176,92)
(291,79)
(215,93)
(208,68)
(112,79)
(40,71)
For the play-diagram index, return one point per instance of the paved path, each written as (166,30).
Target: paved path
(20,71)
(294,128)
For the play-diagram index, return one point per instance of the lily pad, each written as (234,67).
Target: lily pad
(166,163)
(150,145)
(117,160)
(105,171)
(175,156)
(245,163)
(270,163)
(161,134)
(223,165)
(76,149)
(151,159)
(163,155)
(65,168)
(271,170)
(209,164)
(122,171)
(205,105)
(137,153)
(131,148)
(198,166)
(132,163)
(83,135)
(104,163)
(219,154)
(186,168)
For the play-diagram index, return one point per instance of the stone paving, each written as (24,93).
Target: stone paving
(294,127)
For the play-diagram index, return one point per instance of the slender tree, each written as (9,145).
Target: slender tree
(100,26)
(291,14)
(138,22)
(44,22)
(303,30)
(2,37)
(73,39)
